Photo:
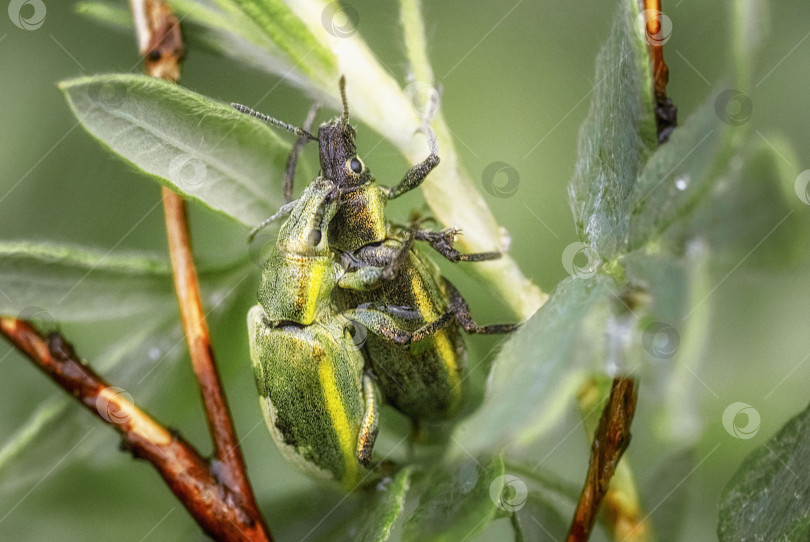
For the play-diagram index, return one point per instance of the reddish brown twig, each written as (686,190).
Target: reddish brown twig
(161,44)
(666,114)
(217,510)
(610,440)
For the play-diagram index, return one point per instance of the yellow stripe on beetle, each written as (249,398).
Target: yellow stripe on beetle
(440,339)
(340,421)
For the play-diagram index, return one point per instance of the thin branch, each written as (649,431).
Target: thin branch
(160,42)
(187,474)
(666,114)
(610,440)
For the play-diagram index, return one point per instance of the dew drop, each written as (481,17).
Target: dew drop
(154,353)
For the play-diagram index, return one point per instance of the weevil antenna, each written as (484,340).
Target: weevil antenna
(345,101)
(283,211)
(300,132)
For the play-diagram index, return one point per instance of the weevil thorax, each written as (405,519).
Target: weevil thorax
(300,272)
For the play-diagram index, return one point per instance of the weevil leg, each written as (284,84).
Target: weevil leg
(371,422)
(379,323)
(461,311)
(429,329)
(363,279)
(375,264)
(292,161)
(443,241)
(419,172)
(399,251)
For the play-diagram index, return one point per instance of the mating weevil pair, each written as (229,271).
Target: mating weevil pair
(338,265)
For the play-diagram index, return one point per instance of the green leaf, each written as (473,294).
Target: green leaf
(458,502)
(539,520)
(674,330)
(289,33)
(768,498)
(678,176)
(749,22)
(664,277)
(754,187)
(58,283)
(266,35)
(368,513)
(203,149)
(378,517)
(42,418)
(114,16)
(666,491)
(615,139)
(540,368)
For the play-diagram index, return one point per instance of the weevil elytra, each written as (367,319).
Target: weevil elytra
(414,319)
(414,315)
(319,403)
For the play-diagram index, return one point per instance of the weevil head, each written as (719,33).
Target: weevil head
(338,151)
(305,232)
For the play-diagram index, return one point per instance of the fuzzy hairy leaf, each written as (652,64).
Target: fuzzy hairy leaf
(458,502)
(378,518)
(57,283)
(203,149)
(750,216)
(288,33)
(678,176)
(538,370)
(539,520)
(769,496)
(615,139)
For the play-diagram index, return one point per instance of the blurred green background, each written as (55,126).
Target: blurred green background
(516,79)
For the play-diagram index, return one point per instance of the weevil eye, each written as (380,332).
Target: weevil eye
(355,165)
(315,237)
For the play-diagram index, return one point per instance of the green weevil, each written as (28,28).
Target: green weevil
(413,313)
(319,403)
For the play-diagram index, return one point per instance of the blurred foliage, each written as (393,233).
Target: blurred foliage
(705,237)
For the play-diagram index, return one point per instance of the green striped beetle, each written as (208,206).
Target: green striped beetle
(319,403)
(414,314)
